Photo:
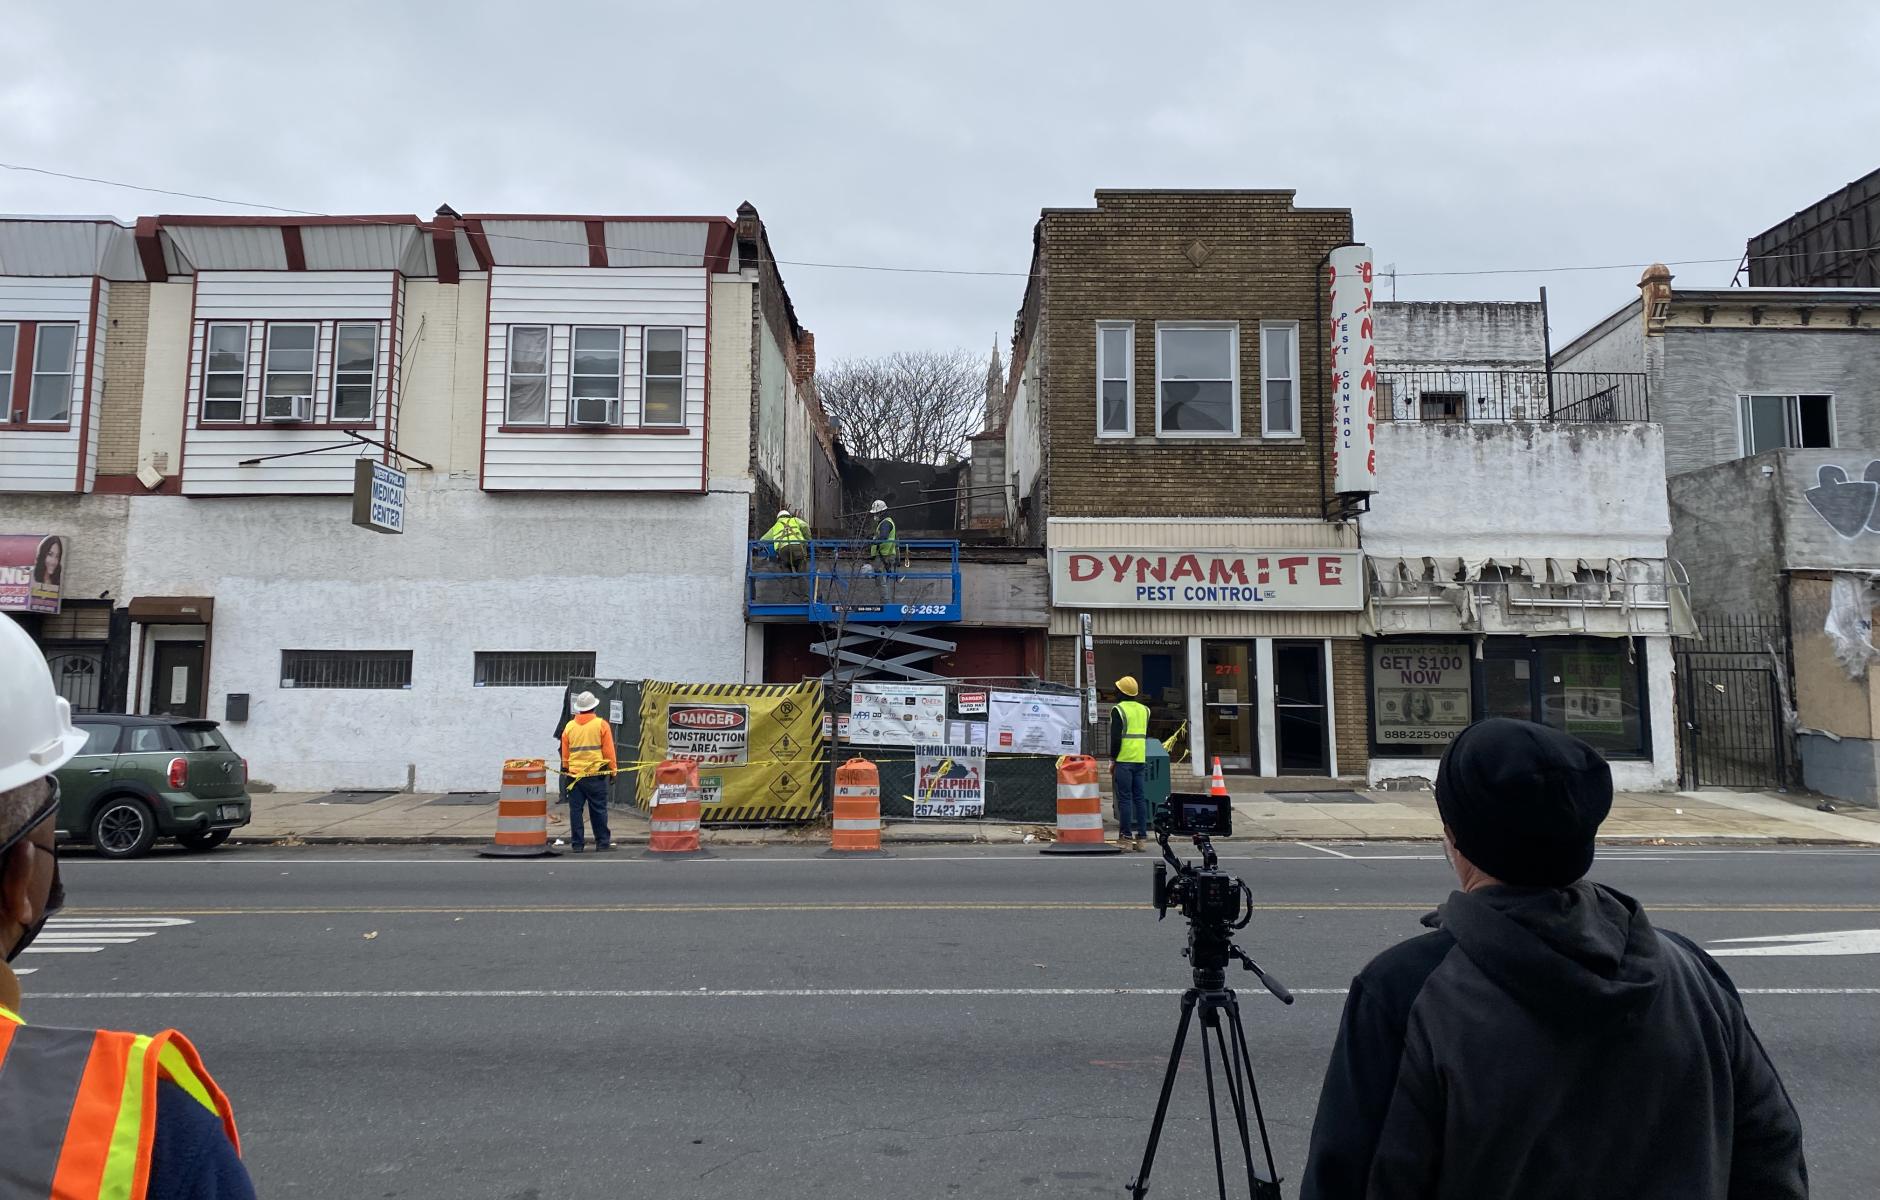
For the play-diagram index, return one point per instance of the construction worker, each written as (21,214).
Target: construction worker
(789,538)
(884,543)
(587,763)
(69,1125)
(1129,739)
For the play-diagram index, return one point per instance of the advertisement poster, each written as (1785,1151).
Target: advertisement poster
(898,714)
(1422,691)
(1591,693)
(31,568)
(1034,723)
(1354,370)
(708,733)
(757,745)
(972,702)
(950,781)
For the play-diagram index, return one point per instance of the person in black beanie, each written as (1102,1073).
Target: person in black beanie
(1545,1040)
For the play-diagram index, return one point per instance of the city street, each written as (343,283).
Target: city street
(945,1022)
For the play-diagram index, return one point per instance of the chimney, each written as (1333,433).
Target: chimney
(806,357)
(1655,290)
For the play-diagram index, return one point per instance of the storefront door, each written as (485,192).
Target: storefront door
(1227,692)
(1299,709)
(176,680)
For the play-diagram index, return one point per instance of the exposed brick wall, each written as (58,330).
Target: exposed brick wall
(120,415)
(1351,707)
(1061,660)
(1127,260)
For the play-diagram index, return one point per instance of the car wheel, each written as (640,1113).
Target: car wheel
(123,828)
(202,839)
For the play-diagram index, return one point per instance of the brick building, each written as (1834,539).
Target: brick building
(1168,438)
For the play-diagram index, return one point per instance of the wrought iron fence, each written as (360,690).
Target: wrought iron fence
(1733,681)
(1461,396)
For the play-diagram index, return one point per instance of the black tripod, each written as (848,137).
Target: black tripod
(1210,948)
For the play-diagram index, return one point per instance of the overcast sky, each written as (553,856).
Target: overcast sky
(1464,137)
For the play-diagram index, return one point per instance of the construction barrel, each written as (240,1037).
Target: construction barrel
(676,808)
(1079,809)
(521,811)
(857,825)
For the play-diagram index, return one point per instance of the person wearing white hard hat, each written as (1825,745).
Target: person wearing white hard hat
(69,1125)
(587,763)
(883,542)
(789,538)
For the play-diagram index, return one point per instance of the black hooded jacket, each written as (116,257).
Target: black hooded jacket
(1549,1043)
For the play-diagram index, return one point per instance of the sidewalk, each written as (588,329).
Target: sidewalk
(1309,816)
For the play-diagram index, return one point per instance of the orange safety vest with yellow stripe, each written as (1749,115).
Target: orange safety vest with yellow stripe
(78,1107)
(587,746)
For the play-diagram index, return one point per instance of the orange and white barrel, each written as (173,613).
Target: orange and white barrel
(857,821)
(1079,809)
(676,808)
(521,811)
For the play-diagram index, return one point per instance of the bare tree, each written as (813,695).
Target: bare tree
(912,406)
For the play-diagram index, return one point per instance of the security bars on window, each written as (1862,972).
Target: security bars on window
(532,668)
(360,669)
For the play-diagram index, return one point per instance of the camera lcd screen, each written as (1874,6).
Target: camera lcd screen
(1197,812)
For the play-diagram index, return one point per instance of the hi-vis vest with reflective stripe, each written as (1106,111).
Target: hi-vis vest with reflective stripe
(78,1108)
(584,745)
(886,540)
(1135,731)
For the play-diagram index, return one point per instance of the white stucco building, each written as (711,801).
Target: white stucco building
(588,410)
(1516,547)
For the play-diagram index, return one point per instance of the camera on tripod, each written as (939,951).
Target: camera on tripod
(1205,895)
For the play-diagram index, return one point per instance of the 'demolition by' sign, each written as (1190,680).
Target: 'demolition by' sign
(378,497)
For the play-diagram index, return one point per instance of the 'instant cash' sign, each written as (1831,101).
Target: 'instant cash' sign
(1234,579)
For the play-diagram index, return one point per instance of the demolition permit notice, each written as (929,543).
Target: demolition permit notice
(708,733)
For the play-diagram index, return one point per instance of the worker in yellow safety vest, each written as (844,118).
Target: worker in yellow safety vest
(587,763)
(789,537)
(84,1112)
(1129,739)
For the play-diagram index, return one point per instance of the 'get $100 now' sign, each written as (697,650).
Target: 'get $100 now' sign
(1147,578)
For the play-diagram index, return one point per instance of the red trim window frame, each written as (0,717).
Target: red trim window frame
(203,397)
(509,374)
(646,362)
(12,331)
(24,371)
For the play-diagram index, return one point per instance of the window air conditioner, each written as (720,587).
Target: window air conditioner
(287,408)
(595,410)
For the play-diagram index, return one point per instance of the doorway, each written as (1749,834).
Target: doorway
(1231,704)
(176,680)
(1302,726)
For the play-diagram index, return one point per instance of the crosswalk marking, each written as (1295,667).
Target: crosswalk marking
(91,935)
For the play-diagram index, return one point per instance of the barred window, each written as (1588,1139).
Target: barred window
(532,668)
(380,669)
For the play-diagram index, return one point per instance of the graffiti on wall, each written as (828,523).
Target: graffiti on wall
(1847,505)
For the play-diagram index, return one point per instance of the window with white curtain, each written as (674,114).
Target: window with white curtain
(527,389)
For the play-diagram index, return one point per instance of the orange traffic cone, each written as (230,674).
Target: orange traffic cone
(1218,785)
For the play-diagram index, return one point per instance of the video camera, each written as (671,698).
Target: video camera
(1215,903)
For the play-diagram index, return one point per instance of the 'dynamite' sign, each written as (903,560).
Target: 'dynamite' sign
(1321,579)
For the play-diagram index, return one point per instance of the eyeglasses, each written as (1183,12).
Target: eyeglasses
(55,899)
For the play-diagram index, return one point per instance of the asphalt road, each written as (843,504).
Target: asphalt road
(943,1023)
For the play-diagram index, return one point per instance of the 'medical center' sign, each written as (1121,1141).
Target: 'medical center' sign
(1322,579)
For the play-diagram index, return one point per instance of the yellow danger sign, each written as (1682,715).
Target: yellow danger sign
(756,746)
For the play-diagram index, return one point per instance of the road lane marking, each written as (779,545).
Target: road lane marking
(74,933)
(1325,850)
(1416,906)
(757,993)
(1834,941)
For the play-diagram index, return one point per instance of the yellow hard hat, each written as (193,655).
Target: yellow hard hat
(1127,685)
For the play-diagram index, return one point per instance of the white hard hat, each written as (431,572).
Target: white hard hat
(783,512)
(878,506)
(36,734)
(585,702)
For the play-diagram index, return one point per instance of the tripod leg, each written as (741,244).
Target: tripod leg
(1214,1116)
(1236,1085)
(1259,1116)
(1140,1184)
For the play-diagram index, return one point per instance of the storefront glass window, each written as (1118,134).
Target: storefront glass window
(1160,666)
(1590,690)
(1421,695)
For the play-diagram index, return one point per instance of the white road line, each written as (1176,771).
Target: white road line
(757,993)
(1326,850)
(36,948)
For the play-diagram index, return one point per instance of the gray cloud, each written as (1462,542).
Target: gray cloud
(1465,137)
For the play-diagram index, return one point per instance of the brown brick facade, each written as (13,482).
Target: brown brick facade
(120,416)
(1351,707)
(1132,258)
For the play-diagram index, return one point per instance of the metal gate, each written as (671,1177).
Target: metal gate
(78,675)
(1730,706)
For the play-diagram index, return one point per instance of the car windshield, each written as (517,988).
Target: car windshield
(201,737)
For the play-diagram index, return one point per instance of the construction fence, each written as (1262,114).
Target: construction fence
(952,750)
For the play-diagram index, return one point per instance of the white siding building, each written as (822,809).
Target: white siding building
(581,472)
